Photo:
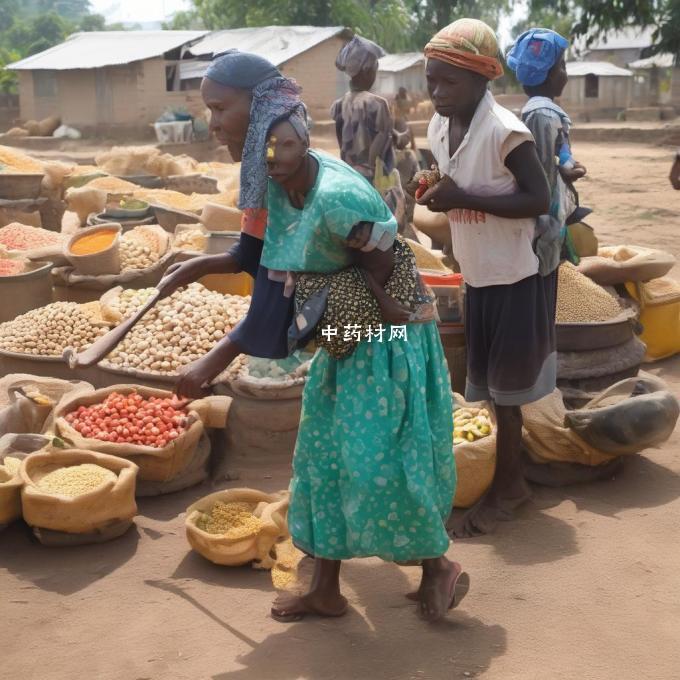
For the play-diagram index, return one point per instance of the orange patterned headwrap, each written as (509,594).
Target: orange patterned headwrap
(468,44)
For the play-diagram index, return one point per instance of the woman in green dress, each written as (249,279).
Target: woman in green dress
(373,472)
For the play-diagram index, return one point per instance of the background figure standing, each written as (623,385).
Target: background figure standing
(364,125)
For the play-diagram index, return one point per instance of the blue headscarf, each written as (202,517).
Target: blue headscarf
(274,98)
(534,53)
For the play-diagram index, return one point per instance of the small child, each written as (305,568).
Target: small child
(537,58)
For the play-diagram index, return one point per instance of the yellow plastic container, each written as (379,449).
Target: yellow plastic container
(660,318)
(229,284)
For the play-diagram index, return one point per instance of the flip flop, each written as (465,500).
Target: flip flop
(459,587)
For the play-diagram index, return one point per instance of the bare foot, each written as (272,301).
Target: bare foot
(442,588)
(494,507)
(288,607)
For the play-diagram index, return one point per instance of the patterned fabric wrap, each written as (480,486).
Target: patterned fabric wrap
(534,53)
(351,303)
(468,44)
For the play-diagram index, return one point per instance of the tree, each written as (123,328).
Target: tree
(548,17)
(595,18)
(92,22)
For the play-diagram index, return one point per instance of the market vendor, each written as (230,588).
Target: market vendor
(493,188)
(675,171)
(364,125)
(373,473)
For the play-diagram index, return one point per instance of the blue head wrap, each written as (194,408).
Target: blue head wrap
(534,53)
(274,98)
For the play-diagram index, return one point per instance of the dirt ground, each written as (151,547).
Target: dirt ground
(584,584)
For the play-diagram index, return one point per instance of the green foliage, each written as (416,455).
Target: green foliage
(8,79)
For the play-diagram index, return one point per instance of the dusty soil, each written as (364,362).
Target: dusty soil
(584,584)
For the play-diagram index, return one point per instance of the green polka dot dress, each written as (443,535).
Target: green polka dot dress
(373,472)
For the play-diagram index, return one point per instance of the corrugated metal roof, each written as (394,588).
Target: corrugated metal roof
(393,63)
(106,48)
(626,39)
(596,68)
(659,60)
(278,44)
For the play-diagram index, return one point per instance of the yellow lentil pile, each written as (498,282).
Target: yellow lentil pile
(46,331)
(231,520)
(113,185)
(165,197)
(10,465)
(76,479)
(179,330)
(285,569)
(580,300)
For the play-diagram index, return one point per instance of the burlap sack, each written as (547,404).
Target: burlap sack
(155,464)
(27,401)
(549,440)
(614,265)
(15,446)
(272,509)
(289,386)
(85,200)
(630,416)
(196,472)
(111,503)
(475,462)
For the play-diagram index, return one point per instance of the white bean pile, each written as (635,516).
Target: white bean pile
(178,330)
(46,331)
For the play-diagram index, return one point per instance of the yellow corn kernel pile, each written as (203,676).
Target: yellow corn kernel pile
(231,520)
(76,479)
(113,185)
(580,300)
(471,424)
(17,162)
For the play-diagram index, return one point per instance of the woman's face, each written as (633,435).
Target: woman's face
(229,114)
(285,153)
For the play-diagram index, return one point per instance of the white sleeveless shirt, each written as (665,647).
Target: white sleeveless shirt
(491,250)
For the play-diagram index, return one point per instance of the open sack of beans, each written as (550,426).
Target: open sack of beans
(151,427)
(268,378)
(144,253)
(237,526)
(32,243)
(27,401)
(74,496)
(13,449)
(45,332)
(176,331)
(474,449)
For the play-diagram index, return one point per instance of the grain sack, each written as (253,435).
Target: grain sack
(13,449)
(195,472)
(71,504)
(659,315)
(434,225)
(615,265)
(475,462)
(47,126)
(548,440)
(160,464)
(426,259)
(86,200)
(630,416)
(252,528)
(579,300)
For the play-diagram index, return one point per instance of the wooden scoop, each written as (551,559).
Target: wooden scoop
(104,345)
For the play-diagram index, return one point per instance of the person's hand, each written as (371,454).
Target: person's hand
(194,377)
(675,173)
(573,174)
(178,275)
(393,312)
(445,195)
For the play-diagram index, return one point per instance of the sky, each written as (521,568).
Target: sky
(137,10)
(158,10)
